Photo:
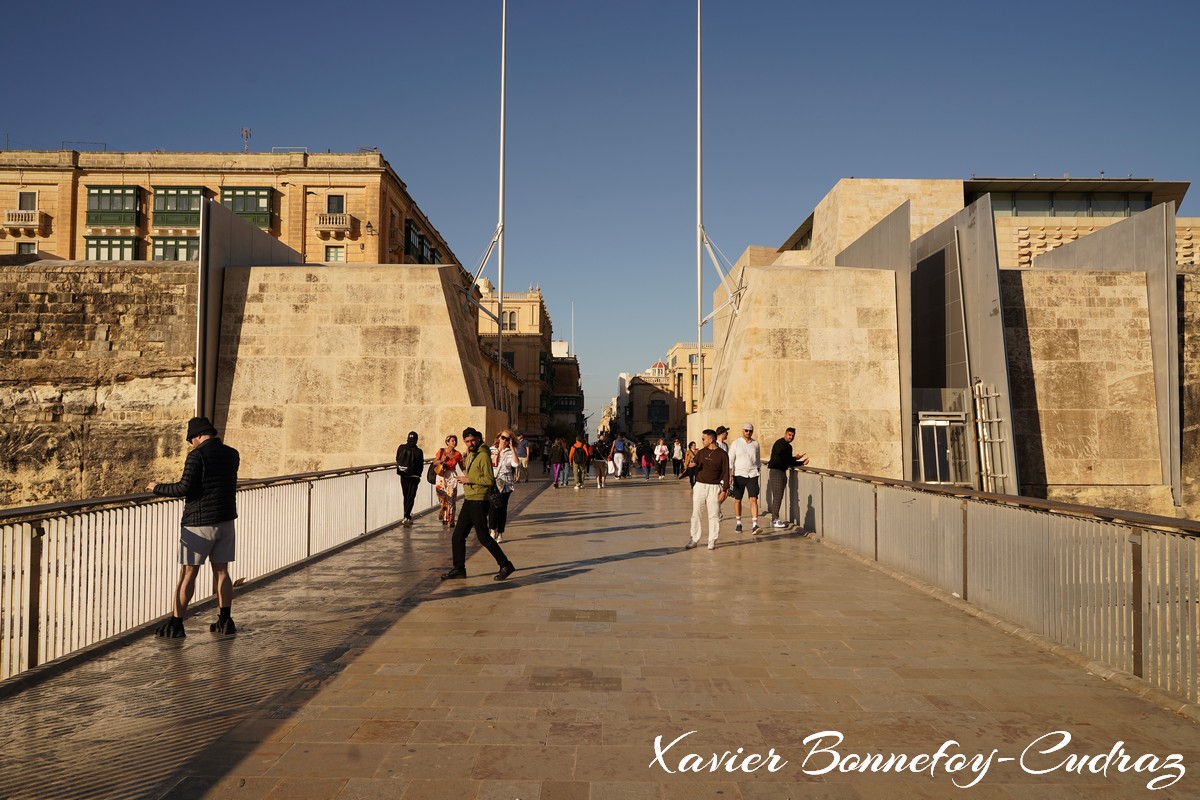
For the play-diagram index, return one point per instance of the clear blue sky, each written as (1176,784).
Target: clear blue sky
(601,116)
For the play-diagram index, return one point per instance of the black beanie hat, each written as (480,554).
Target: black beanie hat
(199,426)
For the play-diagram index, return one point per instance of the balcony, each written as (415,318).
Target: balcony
(113,219)
(177,219)
(337,224)
(30,220)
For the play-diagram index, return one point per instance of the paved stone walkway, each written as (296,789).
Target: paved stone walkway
(363,676)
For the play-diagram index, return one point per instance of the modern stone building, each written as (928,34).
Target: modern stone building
(349,208)
(1016,335)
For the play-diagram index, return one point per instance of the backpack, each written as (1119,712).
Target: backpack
(407,461)
(579,454)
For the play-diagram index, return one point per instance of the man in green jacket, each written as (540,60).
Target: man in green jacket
(477,479)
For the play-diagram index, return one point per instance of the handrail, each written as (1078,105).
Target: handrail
(50,510)
(1189,527)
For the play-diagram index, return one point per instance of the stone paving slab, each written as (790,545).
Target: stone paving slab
(363,676)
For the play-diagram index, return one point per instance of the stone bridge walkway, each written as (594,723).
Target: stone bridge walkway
(363,676)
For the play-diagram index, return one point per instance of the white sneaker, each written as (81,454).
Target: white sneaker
(778,523)
(712,545)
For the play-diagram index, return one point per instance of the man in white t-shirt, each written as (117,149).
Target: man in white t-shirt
(745,462)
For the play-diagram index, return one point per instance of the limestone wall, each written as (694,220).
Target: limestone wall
(1189,379)
(328,367)
(97,365)
(814,349)
(855,205)
(1082,380)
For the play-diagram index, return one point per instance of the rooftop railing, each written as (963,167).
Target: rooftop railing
(74,574)
(1121,588)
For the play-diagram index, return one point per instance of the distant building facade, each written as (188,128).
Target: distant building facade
(336,208)
(526,335)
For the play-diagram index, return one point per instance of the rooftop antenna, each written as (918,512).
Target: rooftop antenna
(245,140)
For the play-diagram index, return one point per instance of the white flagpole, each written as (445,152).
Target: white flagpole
(699,217)
(500,222)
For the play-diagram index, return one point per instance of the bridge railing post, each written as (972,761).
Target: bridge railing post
(1136,603)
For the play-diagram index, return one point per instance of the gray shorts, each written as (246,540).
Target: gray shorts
(215,542)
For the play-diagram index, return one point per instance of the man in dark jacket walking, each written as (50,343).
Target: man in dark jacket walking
(209,486)
(409,462)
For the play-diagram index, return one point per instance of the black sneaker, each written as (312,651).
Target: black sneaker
(506,569)
(224,627)
(169,631)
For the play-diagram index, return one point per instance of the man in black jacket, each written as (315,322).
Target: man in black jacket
(409,463)
(209,484)
(777,469)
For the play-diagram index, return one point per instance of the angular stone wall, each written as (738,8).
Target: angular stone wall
(814,349)
(97,366)
(1189,379)
(328,367)
(1082,375)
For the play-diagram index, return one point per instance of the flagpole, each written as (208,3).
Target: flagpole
(699,217)
(500,221)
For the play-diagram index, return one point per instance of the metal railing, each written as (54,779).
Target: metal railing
(74,574)
(1122,588)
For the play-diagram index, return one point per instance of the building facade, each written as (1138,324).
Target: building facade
(691,372)
(525,334)
(1016,335)
(337,208)
(566,402)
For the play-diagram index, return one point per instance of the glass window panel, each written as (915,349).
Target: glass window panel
(336,204)
(1033,204)
(27,201)
(1108,204)
(1070,204)
(93,202)
(1138,202)
(263,202)
(1002,204)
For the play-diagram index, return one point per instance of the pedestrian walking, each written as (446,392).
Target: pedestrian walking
(409,462)
(646,453)
(676,456)
(558,463)
(689,457)
(477,479)
(710,468)
(600,461)
(620,454)
(522,447)
(781,461)
(579,455)
(723,438)
(446,464)
(661,455)
(207,530)
(504,463)
(745,462)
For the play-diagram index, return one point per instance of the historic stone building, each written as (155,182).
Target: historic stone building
(526,334)
(690,369)
(566,405)
(332,208)
(1017,335)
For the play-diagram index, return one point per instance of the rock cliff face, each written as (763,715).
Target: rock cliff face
(97,366)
